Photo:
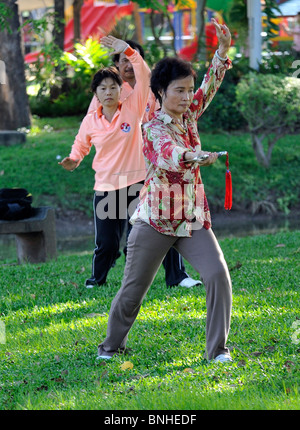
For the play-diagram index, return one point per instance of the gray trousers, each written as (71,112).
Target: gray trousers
(145,253)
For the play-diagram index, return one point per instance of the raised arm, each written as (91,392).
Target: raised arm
(216,72)
(139,97)
(224,38)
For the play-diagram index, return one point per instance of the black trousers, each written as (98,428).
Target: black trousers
(111,209)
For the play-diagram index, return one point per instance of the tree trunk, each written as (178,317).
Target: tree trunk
(200,29)
(257,141)
(59,23)
(14,107)
(172,31)
(264,158)
(138,24)
(77,4)
(156,34)
(62,82)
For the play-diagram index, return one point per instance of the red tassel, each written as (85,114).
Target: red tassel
(228,186)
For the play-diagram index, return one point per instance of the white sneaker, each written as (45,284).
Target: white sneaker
(189,282)
(222,358)
(90,283)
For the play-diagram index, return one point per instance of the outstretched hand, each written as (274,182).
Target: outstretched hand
(224,37)
(69,164)
(112,42)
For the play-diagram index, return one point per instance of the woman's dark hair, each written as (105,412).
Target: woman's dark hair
(107,72)
(167,70)
(134,45)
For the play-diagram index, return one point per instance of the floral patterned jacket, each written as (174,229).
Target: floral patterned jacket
(172,199)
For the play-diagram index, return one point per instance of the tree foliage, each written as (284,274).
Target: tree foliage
(161,7)
(269,9)
(5,13)
(55,98)
(270,105)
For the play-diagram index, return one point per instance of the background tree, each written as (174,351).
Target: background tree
(61,81)
(14,107)
(5,12)
(59,27)
(238,23)
(270,105)
(77,5)
(271,28)
(159,16)
(200,20)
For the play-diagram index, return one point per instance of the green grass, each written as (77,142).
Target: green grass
(33,165)
(53,326)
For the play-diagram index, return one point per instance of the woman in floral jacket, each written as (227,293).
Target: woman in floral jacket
(173,209)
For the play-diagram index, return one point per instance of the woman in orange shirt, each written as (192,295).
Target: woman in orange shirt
(114,129)
(175,272)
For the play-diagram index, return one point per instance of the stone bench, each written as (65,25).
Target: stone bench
(11,137)
(35,236)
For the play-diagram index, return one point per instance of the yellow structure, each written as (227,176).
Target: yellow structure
(279,36)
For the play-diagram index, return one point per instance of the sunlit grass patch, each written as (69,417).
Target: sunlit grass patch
(54,324)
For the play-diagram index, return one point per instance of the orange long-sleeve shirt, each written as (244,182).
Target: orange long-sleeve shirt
(119,160)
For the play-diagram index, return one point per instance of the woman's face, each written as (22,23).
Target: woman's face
(108,93)
(178,96)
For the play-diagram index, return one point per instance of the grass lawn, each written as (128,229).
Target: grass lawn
(51,326)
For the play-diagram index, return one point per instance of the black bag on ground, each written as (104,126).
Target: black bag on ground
(15,203)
